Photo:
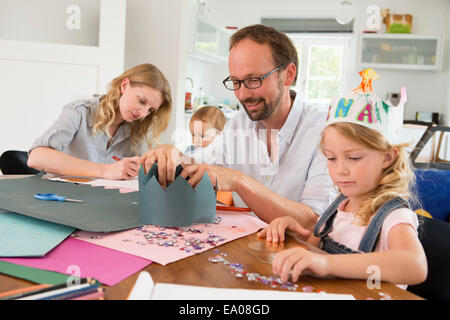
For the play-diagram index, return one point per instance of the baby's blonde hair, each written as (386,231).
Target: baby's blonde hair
(396,180)
(141,75)
(212,115)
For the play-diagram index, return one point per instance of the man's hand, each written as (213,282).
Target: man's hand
(168,158)
(225,178)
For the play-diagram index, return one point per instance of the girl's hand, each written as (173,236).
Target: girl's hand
(300,261)
(124,169)
(276,229)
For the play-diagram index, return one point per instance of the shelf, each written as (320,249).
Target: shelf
(400,51)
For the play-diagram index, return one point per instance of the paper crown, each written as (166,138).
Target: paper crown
(179,205)
(362,106)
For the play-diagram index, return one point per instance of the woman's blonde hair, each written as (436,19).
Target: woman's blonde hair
(396,180)
(156,122)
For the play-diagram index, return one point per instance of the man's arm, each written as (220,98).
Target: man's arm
(266,204)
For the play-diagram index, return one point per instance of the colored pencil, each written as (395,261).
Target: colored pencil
(98,295)
(233,209)
(116,158)
(51,291)
(19,292)
(51,288)
(74,293)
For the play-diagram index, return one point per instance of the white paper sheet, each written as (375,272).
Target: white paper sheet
(132,184)
(145,289)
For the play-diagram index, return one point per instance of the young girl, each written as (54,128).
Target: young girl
(103,137)
(370,223)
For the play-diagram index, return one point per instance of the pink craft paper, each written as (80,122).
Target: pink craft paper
(106,265)
(233,225)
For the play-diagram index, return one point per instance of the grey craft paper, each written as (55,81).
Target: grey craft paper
(103,210)
(178,205)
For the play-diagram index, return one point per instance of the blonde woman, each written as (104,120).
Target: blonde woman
(369,227)
(104,136)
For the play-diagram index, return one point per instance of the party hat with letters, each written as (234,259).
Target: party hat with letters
(363,107)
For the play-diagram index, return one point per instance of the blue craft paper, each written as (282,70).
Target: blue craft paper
(22,236)
(179,205)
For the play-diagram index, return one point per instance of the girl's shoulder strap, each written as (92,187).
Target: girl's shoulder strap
(327,217)
(370,238)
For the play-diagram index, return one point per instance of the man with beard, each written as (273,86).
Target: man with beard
(268,155)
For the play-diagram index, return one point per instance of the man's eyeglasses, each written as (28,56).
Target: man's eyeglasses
(249,83)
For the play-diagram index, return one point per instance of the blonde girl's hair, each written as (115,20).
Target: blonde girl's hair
(156,122)
(396,180)
(212,115)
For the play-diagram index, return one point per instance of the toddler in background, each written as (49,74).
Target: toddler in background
(206,123)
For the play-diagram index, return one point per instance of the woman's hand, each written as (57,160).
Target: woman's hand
(276,229)
(124,169)
(297,261)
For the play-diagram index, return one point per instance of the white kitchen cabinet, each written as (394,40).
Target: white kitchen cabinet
(400,51)
(210,42)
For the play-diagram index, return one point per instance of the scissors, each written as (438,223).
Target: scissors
(54,197)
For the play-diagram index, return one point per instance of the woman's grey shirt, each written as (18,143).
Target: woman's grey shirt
(72,133)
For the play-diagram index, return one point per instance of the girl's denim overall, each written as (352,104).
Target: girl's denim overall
(369,239)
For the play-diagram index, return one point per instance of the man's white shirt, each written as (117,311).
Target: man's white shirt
(298,173)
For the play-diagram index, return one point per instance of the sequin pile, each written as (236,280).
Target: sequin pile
(237,269)
(182,237)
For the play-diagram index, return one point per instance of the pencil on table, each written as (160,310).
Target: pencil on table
(241,209)
(53,290)
(74,293)
(20,292)
(99,295)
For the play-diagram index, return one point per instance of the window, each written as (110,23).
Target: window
(321,66)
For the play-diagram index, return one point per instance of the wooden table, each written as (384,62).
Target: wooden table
(198,270)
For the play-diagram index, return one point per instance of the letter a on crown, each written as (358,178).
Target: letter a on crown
(366,114)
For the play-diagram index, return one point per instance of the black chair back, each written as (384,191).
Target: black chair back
(15,162)
(435,238)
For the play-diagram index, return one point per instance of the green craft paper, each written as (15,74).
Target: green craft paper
(22,236)
(178,205)
(33,274)
(103,210)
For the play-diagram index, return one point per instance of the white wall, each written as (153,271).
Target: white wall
(157,33)
(45,21)
(39,75)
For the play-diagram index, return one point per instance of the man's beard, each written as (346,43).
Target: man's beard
(267,109)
